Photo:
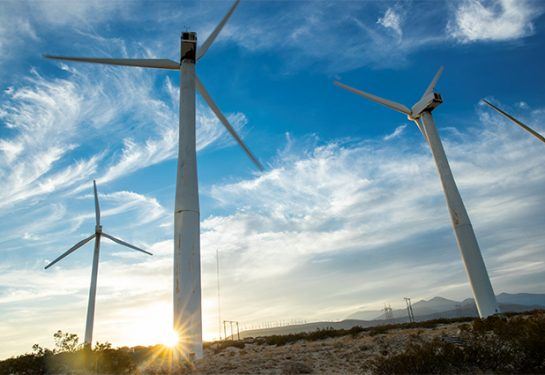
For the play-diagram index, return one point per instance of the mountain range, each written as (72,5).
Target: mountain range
(437,307)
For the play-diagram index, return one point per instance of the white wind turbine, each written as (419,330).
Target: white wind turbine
(93,288)
(187,260)
(517,122)
(420,113)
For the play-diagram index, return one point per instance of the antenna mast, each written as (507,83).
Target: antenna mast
(218,279)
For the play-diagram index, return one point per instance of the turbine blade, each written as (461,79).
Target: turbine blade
(208,42)
(422,130)
(225,122)
(125,243)
(517,122)
(433,82)
(388,103)
(97,207)
(72,249)
(142,63)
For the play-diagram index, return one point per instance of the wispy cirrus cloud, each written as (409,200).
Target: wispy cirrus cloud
(370,217)
(367,216)
(49,119)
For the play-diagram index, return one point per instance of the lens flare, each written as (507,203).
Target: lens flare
(170,339)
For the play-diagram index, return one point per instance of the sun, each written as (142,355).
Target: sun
(170,339)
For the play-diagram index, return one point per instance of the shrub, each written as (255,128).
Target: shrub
(496,344)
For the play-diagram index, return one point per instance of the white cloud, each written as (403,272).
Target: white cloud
(306,34)
(498,20)
(370,219)
(49,119)
(391,20)
(362,222)
(43,117)
(396,133)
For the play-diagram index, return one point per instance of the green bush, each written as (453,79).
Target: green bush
(496,344)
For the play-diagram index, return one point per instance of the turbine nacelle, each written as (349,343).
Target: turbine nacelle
(188,46)
(426,104)
(98,229)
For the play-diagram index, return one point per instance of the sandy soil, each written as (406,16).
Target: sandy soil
(341,355)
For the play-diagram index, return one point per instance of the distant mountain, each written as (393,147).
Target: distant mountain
(435,308)
(525,299)
(444,306)
(365,315)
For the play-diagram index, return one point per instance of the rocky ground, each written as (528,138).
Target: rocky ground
(348,354)
(507,343)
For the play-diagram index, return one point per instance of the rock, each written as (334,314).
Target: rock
(293,367)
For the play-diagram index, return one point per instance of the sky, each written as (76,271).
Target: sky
(348,214)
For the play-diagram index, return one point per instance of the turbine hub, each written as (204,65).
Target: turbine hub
(427,104)
(98,229)
(188,46)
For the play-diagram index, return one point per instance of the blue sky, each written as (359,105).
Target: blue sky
(348,214)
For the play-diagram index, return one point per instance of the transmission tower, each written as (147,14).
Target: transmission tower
(388,312)
(231,322)
(410,311)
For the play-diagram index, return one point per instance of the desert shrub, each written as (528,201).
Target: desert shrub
(69,357)
(30,364)
(66,342)
(219,346)
(113,361)
(319,334)
(496,344)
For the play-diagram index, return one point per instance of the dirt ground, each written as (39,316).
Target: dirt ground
(339,355)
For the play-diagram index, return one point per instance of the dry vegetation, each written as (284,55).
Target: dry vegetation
(513,343)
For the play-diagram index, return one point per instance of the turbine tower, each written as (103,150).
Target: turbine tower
(93,288)
(187,259)
(421,114)
(517,122)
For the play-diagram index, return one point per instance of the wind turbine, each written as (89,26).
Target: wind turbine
(187,260)
(93,289)
(420,113)
(517,122)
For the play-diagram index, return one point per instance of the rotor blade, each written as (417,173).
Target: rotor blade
(208,42)
(517,122)
(97,207)
(142,63)
(225,122)
(72,249)
(125,243)
(422,129)
(388,103)
(433,82)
